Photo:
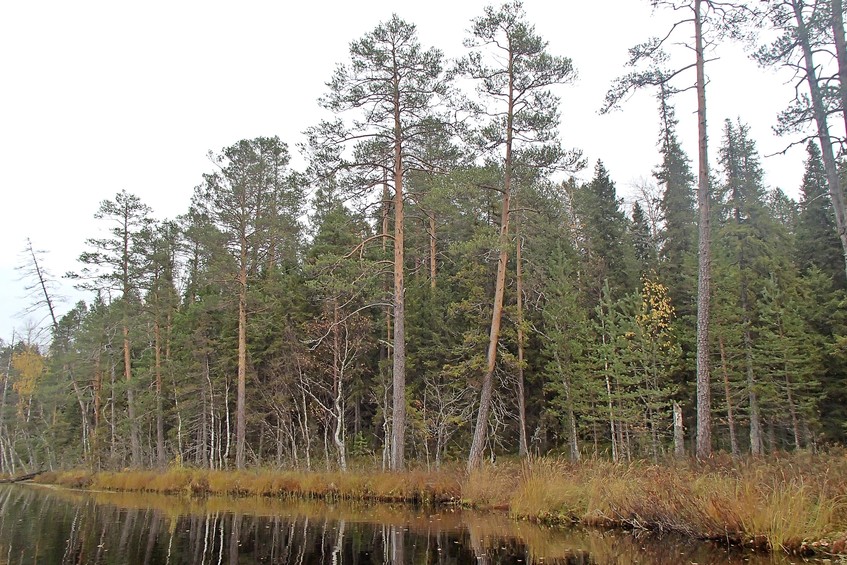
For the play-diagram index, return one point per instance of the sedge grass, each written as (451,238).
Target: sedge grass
(788,502)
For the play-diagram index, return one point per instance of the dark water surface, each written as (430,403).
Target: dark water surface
(47,525)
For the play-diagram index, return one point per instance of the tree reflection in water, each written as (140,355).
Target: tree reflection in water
(53,526)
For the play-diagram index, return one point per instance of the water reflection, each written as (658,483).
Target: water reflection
(45,525)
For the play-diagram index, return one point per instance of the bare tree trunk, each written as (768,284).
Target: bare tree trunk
(730,416)
(398,432)
(704,255)
(486,392)
(8,465)
(820,115)
(432,250)
(113,439)
(338,401)
(226,432)
(612,433)
(304,423)
(792,409)
(206,403)
(523,448)
(97,385)
(678,431)
(240,409)
(841,52)
(161,458)
(135,443)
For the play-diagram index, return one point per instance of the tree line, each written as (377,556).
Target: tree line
(437,285)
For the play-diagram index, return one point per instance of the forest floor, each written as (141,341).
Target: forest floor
(787,502)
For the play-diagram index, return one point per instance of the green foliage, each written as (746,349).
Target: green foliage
(607,303)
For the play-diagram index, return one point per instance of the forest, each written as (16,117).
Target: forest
(437,286)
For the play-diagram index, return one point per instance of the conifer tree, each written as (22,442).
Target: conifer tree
(610,255)
(723,19)
(514,73)
(390,90)
(749,239)
(817,243)
(245,200)
(117,264)
(678,236)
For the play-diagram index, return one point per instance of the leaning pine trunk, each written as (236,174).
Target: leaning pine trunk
(486,393)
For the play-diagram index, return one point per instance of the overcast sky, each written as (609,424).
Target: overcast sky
(97,97)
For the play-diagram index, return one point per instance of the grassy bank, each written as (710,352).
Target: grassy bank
(794,503)
(413,486)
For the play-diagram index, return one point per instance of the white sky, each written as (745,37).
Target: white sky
(96,97)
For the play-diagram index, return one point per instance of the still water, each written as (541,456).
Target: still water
(47,525)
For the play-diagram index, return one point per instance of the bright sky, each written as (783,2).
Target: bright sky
(100,96)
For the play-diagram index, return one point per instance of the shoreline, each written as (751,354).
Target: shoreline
(796,504)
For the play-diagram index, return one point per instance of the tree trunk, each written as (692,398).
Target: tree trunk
(704,259)
(792,409)
(612,433)
(819,112)
(398,431)
(841,53)
(97,386)
(338,400)
(755,418)
(204,449)
(730,416)
(161,459)
(678,431)
(135,443)
(113,439)
(486,392)
(8,465)
(240,410)
(523,448)
(432,250)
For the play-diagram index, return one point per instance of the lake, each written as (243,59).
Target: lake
(47,525)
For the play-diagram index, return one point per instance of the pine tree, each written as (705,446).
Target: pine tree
(117,263)
(400,84)
(514,74)
(245,199)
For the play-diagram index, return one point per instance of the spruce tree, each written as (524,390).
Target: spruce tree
(817,243)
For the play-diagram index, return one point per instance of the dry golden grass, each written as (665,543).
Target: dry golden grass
(412,486)
(785,502)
